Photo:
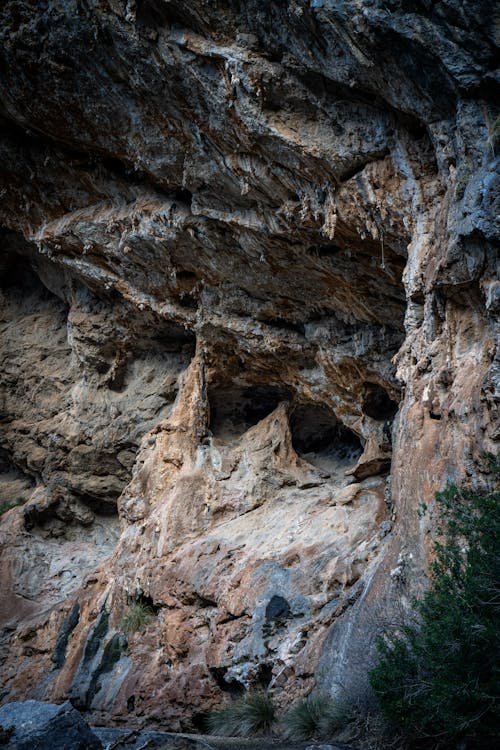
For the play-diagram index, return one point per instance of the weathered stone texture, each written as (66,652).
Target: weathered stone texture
(249,305)
(42,726)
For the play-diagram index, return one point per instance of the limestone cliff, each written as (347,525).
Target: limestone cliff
(248,307)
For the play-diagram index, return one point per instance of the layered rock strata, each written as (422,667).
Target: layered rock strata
(249,296)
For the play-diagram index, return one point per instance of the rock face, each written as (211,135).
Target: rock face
(248,305)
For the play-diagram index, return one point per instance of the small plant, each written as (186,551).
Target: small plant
(253,714)
(9,504)
(439,677)
(493,138)
(461,185)
(317,715)
(136,618)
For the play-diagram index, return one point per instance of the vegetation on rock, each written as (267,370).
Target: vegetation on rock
(136,618)
(253,714)
(493,134)
(315,716)
(9,504)
(438,678)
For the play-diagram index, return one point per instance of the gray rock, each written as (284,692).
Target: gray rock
(44,726)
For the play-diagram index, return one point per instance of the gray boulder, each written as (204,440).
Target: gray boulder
(44,726)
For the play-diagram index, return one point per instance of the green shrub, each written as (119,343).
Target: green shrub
(136,617)
(253,714)
(8,504)
(317,715)
(439,676)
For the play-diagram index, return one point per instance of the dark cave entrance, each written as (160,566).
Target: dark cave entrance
(322,440)
(235,409)
(233,687)
(377,403)
(16,273)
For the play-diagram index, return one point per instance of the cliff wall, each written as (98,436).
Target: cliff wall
(249,296)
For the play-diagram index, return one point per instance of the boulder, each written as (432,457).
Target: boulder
(45,726)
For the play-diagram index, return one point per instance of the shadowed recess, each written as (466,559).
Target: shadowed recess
(377,403)
(235,409)
(321,439)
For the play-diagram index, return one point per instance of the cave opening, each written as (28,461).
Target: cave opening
(322,440)
(183,196)
(235,409)
(264,676)
(377,403)
(104,505)
(16,273)
(22,278)
(147,603)
(155,14)
(16,485)
(277,608)
(232,686)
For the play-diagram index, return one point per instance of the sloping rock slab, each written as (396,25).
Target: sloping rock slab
(44,726)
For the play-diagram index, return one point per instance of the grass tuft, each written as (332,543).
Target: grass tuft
(336,716)
(254,714)
(317,715)
(136,618)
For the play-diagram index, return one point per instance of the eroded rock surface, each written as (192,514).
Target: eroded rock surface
(249,295)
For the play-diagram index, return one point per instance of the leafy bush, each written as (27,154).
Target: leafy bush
(317,715)
(253,714)
(439,677)
(136,617)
